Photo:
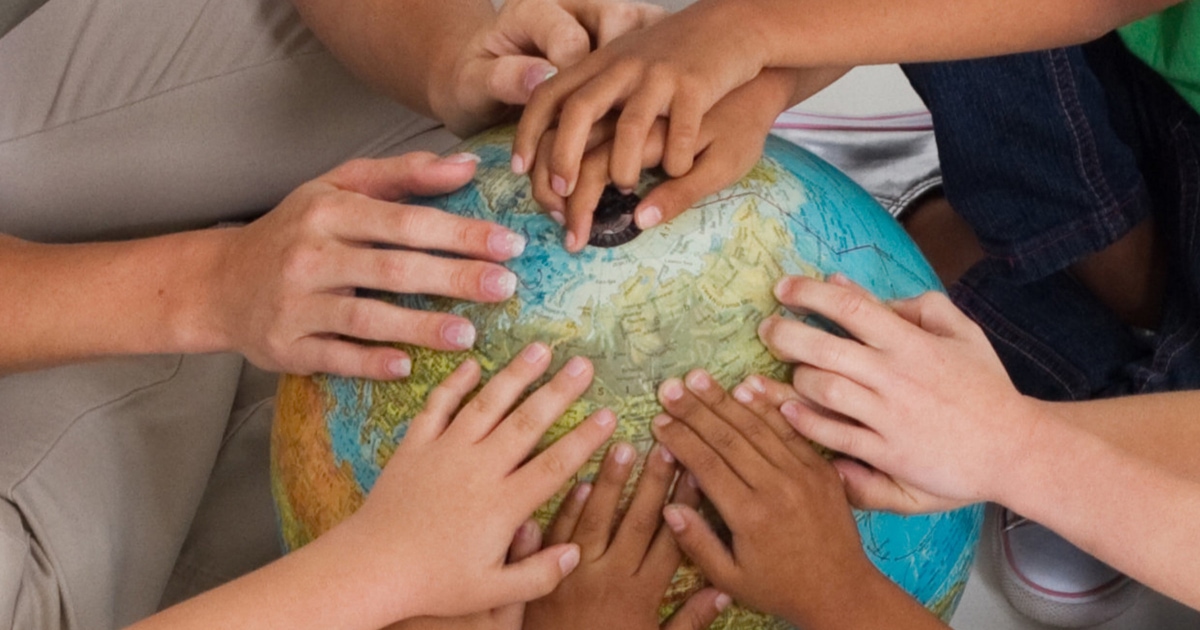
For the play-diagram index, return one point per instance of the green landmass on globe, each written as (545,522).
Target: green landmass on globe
(687,294)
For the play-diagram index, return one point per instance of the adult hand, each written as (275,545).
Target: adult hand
(917,393)
(526,43)
(447,505)
(795,549)
(678,67)
(730,143)
(625,569)
(283,293)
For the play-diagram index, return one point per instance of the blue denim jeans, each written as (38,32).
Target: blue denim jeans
(1051,156)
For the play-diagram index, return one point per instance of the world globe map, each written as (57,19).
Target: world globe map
(643,307)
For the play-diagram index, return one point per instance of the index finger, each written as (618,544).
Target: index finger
(366,220)
(856,311)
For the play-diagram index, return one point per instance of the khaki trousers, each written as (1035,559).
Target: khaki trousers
(131,482)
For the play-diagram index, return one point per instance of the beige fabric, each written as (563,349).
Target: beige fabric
(130,117)
(132,481)
(102,467)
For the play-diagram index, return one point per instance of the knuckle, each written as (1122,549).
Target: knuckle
(849,304)
(831,392)
(358,318)
(827,350)
(641,523)
(394,266)
(552,465)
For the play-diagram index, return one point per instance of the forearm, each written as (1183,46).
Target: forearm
(867,600)
(1161,428)
(402,48)
(1125,510)
(815,33)
(65,303)
(326,584)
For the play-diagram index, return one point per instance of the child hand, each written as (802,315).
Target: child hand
(449,501)
(624,574)
(656,71)
(526,542)
(927,399)
(795,550)
(866,487)
(730,143)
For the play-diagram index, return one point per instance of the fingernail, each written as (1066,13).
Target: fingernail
(569,242)
(698,381)
(625,191)
(506,244)
(722,602)
(462,158)
(534,352)
(673,390)
(536,75)
(673,518)
(666,454)
(558,218)
(743,394)
(559,185)
(605,417)
(582,492)
(576,366)
(790,410)
(756,383)
(400,368)
(649,217)
(623,454)
(782,288)
(764,328)
(692,481)
(518,164)
(500,283)
(459,334)
(569,560)
(662,420)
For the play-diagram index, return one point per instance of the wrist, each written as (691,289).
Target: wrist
(195,315)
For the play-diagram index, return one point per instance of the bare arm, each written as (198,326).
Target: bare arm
(1161,428)
(280,290)
(852,32)
(956,431)
(70,302)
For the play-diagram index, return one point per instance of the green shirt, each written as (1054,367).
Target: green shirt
(1169,42)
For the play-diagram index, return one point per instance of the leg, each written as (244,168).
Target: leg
(102,467)
(145,118)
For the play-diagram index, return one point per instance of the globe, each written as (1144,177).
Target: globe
(643,307)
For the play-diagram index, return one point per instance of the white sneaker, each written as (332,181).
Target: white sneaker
(1053,582)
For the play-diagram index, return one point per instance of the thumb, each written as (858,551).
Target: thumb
(699,611)
(510,79)
(871,489)
(537,575)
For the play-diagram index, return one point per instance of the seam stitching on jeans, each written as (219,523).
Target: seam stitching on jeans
(1077,124)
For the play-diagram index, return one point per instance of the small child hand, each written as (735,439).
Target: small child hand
(623,575)
(931,403)
(729,144)
(526,542)
(795,551)
(450,499)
